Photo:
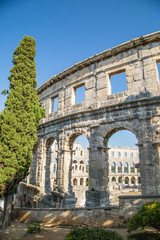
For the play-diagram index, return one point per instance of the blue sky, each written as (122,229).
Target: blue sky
(69,31)
(120,138)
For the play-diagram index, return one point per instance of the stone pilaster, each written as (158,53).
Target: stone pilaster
(97,194)
(149,167)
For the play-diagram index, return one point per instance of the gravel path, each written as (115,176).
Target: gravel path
(18,231)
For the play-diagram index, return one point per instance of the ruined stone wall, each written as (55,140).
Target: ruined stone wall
(98,217)
(103,113)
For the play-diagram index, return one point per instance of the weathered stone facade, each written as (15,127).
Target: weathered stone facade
(101,115)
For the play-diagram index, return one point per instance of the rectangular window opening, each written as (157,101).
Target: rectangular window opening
(119,154)
(79,94)
(55,104)
(118,82)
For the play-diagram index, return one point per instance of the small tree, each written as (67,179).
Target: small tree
(148,215)
(18,123)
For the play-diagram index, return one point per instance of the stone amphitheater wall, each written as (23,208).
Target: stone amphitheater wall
(103,113)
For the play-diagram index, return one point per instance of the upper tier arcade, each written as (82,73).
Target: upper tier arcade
(137,58)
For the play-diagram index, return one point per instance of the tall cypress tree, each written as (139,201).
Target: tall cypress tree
(19,122)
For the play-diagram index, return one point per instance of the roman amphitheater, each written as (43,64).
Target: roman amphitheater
(66,172)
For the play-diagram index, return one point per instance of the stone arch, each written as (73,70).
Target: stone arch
(122,155)
(132,180)
(81,181)
(71,137)
(50,157)
(119,167)
(87,182)
(120,180)
(126,180)
(79,153)
(139,180)
(113,179)
(132,167)
(118,126)
(126,168)
(113,167)
(75,182)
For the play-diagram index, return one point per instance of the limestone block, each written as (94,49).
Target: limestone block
(101,83)
(148,61)
(89,84)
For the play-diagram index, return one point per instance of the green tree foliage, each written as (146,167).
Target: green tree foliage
(93,233)
(148,215)
(20,118)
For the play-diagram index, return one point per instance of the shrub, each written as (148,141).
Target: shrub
(144,236)
(93,234)
(148,215)
(35,228)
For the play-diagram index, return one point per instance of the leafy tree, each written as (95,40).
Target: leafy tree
(148,215)
(18,123)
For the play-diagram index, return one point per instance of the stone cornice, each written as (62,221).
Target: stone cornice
(142,102)
(143,40)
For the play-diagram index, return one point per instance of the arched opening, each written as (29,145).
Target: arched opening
(87,182)
(132,180)
(119,167)
(126,167)
(132,167)
(120,179)
(81,181)
(139,180)
(51,165)
(75,182)
(126,180)
(113,179)
(87,167)
(113,167)
(80,164)
(123,160)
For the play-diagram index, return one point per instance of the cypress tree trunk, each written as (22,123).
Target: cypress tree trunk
(7,210)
